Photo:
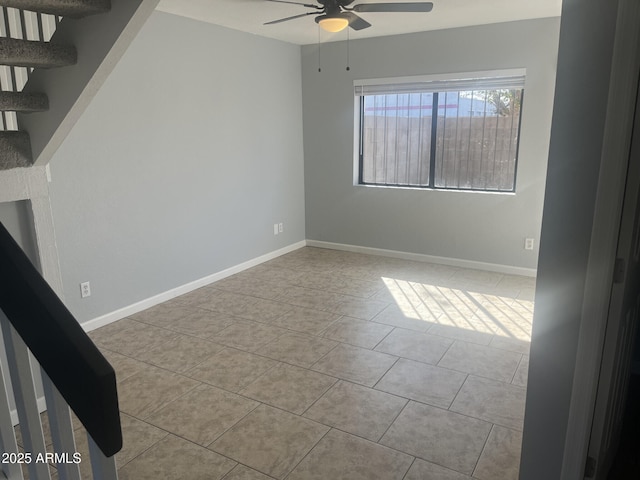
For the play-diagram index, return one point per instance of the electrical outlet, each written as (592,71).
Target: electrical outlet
(528,243)
(85,289)
(280,227)
(275,228)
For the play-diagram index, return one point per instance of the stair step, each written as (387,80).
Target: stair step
(15,150)
(28,53)
(65,8)
(23,102)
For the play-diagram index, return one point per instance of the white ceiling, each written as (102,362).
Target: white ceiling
(250,15)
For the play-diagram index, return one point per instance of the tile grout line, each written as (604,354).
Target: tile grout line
(393,329)
(516,370)
(409,469)
(484,447)
(307,454)
(300,264)
(337,380)
(259,404)
(118,467)
(391,424)
(386,371)
(458,393)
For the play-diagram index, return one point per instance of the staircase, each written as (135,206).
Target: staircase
(54,57)
(27,42)
(51,67)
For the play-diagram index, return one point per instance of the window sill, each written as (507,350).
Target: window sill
(430,189)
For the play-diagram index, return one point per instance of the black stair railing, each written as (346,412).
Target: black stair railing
(82,375)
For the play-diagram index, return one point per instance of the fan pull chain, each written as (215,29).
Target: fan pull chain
(319,69)
(348,68)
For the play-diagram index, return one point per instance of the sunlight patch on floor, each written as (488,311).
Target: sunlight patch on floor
(493,313)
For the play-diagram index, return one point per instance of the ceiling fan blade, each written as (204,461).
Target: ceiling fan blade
(290,18)
(394,7)
(355,21)
(308,5)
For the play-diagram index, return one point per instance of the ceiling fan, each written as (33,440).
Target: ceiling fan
(336,15)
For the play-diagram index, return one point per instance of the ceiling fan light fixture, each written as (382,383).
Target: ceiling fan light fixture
(333,24)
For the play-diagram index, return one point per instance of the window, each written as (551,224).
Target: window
(446,134)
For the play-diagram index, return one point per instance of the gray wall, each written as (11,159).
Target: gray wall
(473,226)
(179,168)
(16,217)
(584,68)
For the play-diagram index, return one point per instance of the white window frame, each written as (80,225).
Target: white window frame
(433,82)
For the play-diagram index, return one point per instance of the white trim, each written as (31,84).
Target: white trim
(47,247)
(209,279)
(419,257)
(186,288)
(441,77)
(458,81)
(428,189)
(13,185)
(19,184)
(32,184)
(121,313)
(168,295)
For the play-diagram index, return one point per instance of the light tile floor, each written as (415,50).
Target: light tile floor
(323,364)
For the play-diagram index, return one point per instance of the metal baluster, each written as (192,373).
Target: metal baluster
(8,442)
(22,73)
(61,429)
(24,393)
(40,29)
(8,116)
(3,117)
(23,24)
(103,468)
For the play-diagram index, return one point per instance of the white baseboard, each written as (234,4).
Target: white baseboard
(168,295)
(181,290)
(419,257)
